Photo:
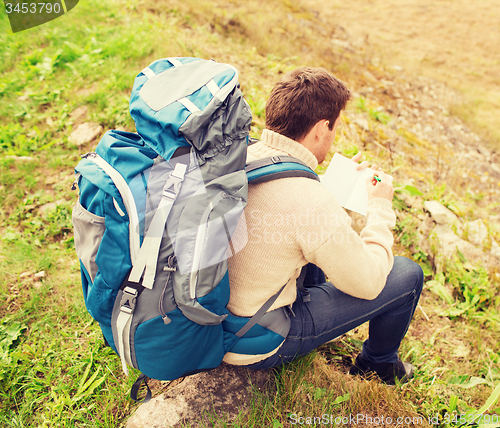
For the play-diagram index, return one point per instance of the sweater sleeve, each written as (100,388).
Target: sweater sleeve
(356,264)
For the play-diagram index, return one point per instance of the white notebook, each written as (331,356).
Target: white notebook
(347,184)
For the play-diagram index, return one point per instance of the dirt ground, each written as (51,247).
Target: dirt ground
(452,41)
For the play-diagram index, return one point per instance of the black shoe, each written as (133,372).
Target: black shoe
(388,372)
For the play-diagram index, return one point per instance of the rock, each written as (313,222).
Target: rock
(20,158)
(444,244)
(495,218)
(423,233)
(362,123)
(341,43)
(484,151)
(85,133)
(45,209)
(476,232)
(495,167)
(225,390)
(79,113)
(447,238)
(461,351)
(85,92)
(448,244)
(495,248)
(440,214)
(370,76)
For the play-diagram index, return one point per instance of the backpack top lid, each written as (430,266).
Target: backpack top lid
(174,101)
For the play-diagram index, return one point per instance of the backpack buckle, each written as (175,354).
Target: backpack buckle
(171,188)
(275,159)
(129,299)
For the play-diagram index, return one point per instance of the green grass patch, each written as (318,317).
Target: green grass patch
(54,369)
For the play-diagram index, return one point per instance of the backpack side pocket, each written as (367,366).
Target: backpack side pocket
(89,229)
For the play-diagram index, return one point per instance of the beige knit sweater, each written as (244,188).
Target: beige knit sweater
(294,221)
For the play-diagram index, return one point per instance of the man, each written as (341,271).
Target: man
(293,222)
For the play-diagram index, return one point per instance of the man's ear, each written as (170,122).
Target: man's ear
(315,134)
(321,128)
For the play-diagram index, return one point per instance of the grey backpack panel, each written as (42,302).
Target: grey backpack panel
(176,83)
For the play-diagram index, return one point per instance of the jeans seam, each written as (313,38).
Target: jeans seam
(414,291)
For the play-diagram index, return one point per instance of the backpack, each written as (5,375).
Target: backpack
(154,220)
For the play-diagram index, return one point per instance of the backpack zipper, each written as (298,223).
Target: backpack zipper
(127,197)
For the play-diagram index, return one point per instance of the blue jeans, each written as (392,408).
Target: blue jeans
(331,313)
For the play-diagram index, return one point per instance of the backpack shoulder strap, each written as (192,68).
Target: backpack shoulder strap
(268,169)
(276,167)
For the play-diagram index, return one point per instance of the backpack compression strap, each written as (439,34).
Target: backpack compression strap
(148,254)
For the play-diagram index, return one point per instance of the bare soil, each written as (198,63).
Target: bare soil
(453,41)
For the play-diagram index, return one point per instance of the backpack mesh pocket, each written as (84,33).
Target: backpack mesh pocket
(89,229)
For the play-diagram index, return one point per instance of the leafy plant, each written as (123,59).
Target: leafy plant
(9,334)
(60,222)
(375,113)
(472,288)
(406,231)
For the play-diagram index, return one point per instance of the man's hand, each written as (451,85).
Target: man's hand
(380,187)
(356,158)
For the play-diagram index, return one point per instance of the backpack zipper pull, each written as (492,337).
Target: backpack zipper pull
(84,156)
(170,267)
(75,183)
(171,264)
(89,155)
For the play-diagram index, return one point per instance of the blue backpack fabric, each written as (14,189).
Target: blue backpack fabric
(155,216)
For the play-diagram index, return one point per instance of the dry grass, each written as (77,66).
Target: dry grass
(313,387)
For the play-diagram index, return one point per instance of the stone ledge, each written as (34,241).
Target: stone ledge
(225,391)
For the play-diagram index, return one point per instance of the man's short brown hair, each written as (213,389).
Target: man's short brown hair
(302,98)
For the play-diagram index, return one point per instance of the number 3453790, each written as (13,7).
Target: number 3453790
(33,7)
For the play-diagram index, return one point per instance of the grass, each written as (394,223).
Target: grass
(54,369)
